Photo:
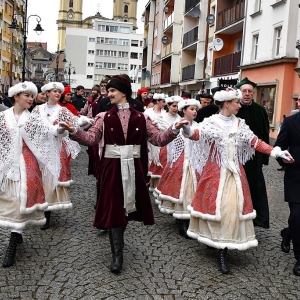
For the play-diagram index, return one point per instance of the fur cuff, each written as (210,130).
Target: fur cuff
(275,152)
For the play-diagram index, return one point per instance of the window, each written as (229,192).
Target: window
(101,27)
(255,47)
(140,55)
(110,65)
(257,6)
(91,52)
(123,42)
(91,39)
(99,65)
(278,31)
(90,64)
(111,41)
(100,40)
(71,3)
(125,9)
(122,67)
(107,53)
(89,76)
(238,45)
(266,96)
(141,43)
(111,28)
(134,43)
(134,55)
(123,54)
(124,29)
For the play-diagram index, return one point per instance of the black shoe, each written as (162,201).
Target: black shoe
(222,260)
(10,254)
(116,238)
(183,228)
(296,269)
(286,240)
(47,224)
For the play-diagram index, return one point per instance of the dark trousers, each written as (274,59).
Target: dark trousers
(294,227)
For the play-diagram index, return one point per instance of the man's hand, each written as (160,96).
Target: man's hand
(181,123)
(66,126)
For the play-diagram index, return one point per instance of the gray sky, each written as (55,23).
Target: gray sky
(48,11)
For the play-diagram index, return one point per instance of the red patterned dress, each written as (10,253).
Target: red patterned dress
(221,211)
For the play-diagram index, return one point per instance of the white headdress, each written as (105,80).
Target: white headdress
(21,87)
(222,96)
(188,102)
(53,85)
(173,99)
(159,96)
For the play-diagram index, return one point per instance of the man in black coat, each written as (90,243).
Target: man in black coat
(78,100)
(289,138)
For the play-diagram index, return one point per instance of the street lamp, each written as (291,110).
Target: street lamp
(69,70)
(58,53)
(38,28)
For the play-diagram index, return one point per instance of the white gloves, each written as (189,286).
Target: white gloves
(85,122)
(186,129)
(284,154)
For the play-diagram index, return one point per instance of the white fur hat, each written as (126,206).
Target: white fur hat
(222,96)
(53,85)
(173,99)
(188,102)
(159,96)
(21,87)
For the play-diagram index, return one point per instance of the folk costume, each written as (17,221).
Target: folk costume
(59,198)
(221,210)
(256,118)
(28,148)
(178,182)
(122,134)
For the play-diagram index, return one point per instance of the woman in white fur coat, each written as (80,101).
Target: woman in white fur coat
(178,182)
(221,211)
(27,150)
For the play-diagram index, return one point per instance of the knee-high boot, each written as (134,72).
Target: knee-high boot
(116,238)
(222,260)
(47,224)
(10,254)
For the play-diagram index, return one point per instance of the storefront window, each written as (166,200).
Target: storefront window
(266,98)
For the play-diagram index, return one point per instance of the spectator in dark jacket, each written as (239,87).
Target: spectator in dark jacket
(78,100)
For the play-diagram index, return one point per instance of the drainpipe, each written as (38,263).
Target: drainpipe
(206,40)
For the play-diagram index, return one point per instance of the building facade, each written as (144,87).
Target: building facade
(125,11)
(111,48)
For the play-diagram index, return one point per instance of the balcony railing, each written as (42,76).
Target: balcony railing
(188,72)
(190,37)
(169,21)
(231,14)
(165,78)
(190,4)
(227,64)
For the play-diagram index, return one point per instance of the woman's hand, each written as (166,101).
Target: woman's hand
(67,126)
(181,123)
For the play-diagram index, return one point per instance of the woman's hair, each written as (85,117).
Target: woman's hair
(12,100)
(62,97)
(220,104)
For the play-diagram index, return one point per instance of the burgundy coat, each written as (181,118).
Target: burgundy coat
(110,212)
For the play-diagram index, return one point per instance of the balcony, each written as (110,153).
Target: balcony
(190,37)
(169,21)
(188,72)
(227,64)
(231,14)
(167,50)
(190,4)
(165,78)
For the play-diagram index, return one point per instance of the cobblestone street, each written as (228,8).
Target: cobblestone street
(71,260)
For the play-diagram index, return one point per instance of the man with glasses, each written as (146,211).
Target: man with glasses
(256,118)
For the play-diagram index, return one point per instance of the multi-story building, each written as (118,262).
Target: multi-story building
(111,48)
(270,57)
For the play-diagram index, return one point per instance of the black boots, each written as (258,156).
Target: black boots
(10,254)
(286,240)
(183,228)
(222,260)
(47,224)
(116,238)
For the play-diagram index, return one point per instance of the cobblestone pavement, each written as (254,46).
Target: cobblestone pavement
(71,260)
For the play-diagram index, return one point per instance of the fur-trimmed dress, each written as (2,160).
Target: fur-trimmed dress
(60,197)
(221,211)
(178,182)
(25,150)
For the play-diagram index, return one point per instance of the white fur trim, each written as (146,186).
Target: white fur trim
(173,99)
(165,210)
(157,201)
(59,206)
(65,183)
(188,102)
(220,245)
(274,153)
(181,216)
(53,85)
(22,87)
(20,226)
(222,96)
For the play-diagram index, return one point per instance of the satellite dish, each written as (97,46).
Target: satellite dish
(166,9)
(195,13)
(147,73)
(210,19)
(218,44)
(165,39)
(200,55)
